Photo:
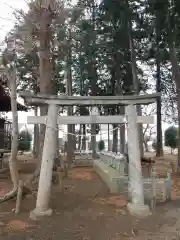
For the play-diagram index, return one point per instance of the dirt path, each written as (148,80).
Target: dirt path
(85,211)
(168,227)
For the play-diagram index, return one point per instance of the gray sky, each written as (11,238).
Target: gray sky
(7,7)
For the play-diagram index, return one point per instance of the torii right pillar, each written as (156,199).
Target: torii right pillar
(137,206)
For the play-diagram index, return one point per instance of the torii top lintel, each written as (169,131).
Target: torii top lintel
(64,100)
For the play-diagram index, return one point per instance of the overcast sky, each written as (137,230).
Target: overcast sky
(7,7)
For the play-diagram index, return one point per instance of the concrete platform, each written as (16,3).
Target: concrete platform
(111,177)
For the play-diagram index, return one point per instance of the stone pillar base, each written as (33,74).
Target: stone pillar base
(36,214)
(139,210)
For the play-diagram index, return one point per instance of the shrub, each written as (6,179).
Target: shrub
(101,145)
(171,137)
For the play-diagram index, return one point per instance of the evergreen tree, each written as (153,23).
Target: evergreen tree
(25,140)
(171,135)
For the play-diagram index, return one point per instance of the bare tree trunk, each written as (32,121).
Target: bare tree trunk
(115,138)
(159,148)
(13,164)
(122,139)
(57,142)
(139,112)
(146,146)
(36,137)
(79,138)
(93,77)
(84,137)
(136,82)
(45,64)
(43,112)
(176,77)
(70,151)
(74,137)
(93,140)
(121,109)
(108,139)
(45,71)
(122,129)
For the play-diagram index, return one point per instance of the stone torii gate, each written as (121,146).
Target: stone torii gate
(49,149)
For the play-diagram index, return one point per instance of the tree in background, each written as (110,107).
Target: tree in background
(154,144)
(102,58)
(8,69)
(171,135)
(25,140)
(148,129)
(101,145)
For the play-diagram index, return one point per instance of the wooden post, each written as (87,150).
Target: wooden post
(135,172)
(49,152)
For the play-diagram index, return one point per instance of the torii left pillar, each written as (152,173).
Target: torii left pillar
(48,156)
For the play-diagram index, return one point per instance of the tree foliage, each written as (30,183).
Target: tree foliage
(97,35)
(171,137)
(25,140)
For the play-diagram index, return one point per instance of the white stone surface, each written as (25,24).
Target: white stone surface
(117,162)
(36,214)
(89,119)
(135,171)
(48,156)
(139,210)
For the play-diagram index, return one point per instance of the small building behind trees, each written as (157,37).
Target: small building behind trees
(6,126)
